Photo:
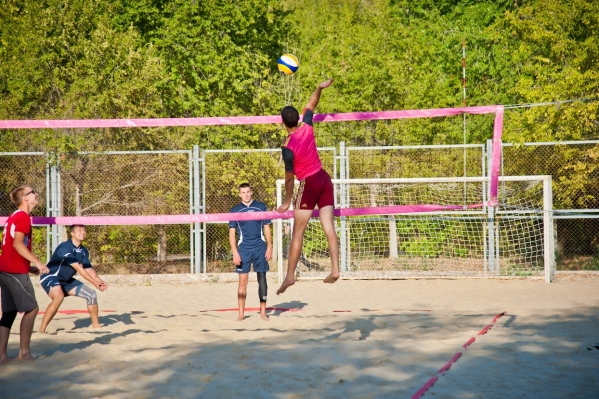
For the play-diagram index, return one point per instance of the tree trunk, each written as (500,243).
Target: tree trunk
(161,243)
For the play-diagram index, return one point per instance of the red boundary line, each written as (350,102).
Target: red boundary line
(75,311)
(252,310)
(454,359)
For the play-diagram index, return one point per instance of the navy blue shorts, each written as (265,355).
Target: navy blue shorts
(256,257)
(49,281)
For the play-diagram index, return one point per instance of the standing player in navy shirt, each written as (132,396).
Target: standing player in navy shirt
(69,258)
(254,246)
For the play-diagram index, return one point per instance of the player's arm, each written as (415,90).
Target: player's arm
(21,248)
(92,272)
(289,179)
(268,241)
(83,272)
(315,97)
(233,243)
(289,182)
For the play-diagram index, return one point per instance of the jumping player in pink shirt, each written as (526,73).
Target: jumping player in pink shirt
(302,160)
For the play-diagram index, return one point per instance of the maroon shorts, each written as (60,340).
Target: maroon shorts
(315,190)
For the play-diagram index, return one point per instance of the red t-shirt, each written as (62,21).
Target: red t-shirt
(10,260)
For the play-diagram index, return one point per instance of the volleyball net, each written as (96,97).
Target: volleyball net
(377,235)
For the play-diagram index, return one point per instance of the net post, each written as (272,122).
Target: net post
(491,239)
(549,258)
(490,253)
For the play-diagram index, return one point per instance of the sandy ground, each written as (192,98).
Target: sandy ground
(353,339)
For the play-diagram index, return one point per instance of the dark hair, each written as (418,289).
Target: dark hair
(244,185)
(290,116)
(16,195)
(75,225)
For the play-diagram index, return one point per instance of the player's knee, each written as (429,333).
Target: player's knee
(329,230)
(92,298)
(56,295)
(89,294)
(8,318)
(57,298)
(262,286)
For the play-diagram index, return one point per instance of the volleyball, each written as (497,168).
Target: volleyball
(288,64)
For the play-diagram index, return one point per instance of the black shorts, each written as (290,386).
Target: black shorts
(17,293)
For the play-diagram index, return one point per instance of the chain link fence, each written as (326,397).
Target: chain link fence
(130,183)
(175,182)
(26,168)
(224,171)
(109,183)
(574,167)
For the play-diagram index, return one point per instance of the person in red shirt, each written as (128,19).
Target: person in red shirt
(15,286)
(316,189)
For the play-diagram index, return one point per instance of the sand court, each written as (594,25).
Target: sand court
(352,339)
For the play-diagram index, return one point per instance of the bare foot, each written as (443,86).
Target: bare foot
(4,360)
(264,317)
(286,284)
(27,358)
(98,326)
(240,318)
(330,279)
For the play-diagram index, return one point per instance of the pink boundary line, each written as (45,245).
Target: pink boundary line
(226,217)
(427,385)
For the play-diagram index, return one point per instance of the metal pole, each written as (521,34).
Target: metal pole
(192,205)
(203,207)
(490,215)
(197,248)
(464,114)
(48,210)
(342,204)
(58,203)
(53,201)
(280,232)
(548,246)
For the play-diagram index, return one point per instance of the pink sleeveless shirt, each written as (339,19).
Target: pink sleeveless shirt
(302,143)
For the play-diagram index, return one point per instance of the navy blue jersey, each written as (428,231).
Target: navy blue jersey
(251,233)
(63,257)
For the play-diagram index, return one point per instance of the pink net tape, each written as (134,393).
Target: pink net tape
(498,110)
(241,120)
(226,217)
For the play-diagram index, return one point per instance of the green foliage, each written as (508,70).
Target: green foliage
(38,243)
(74,59)
(106,243)
(181,58)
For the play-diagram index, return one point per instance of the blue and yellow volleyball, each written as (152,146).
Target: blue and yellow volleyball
(288,64)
